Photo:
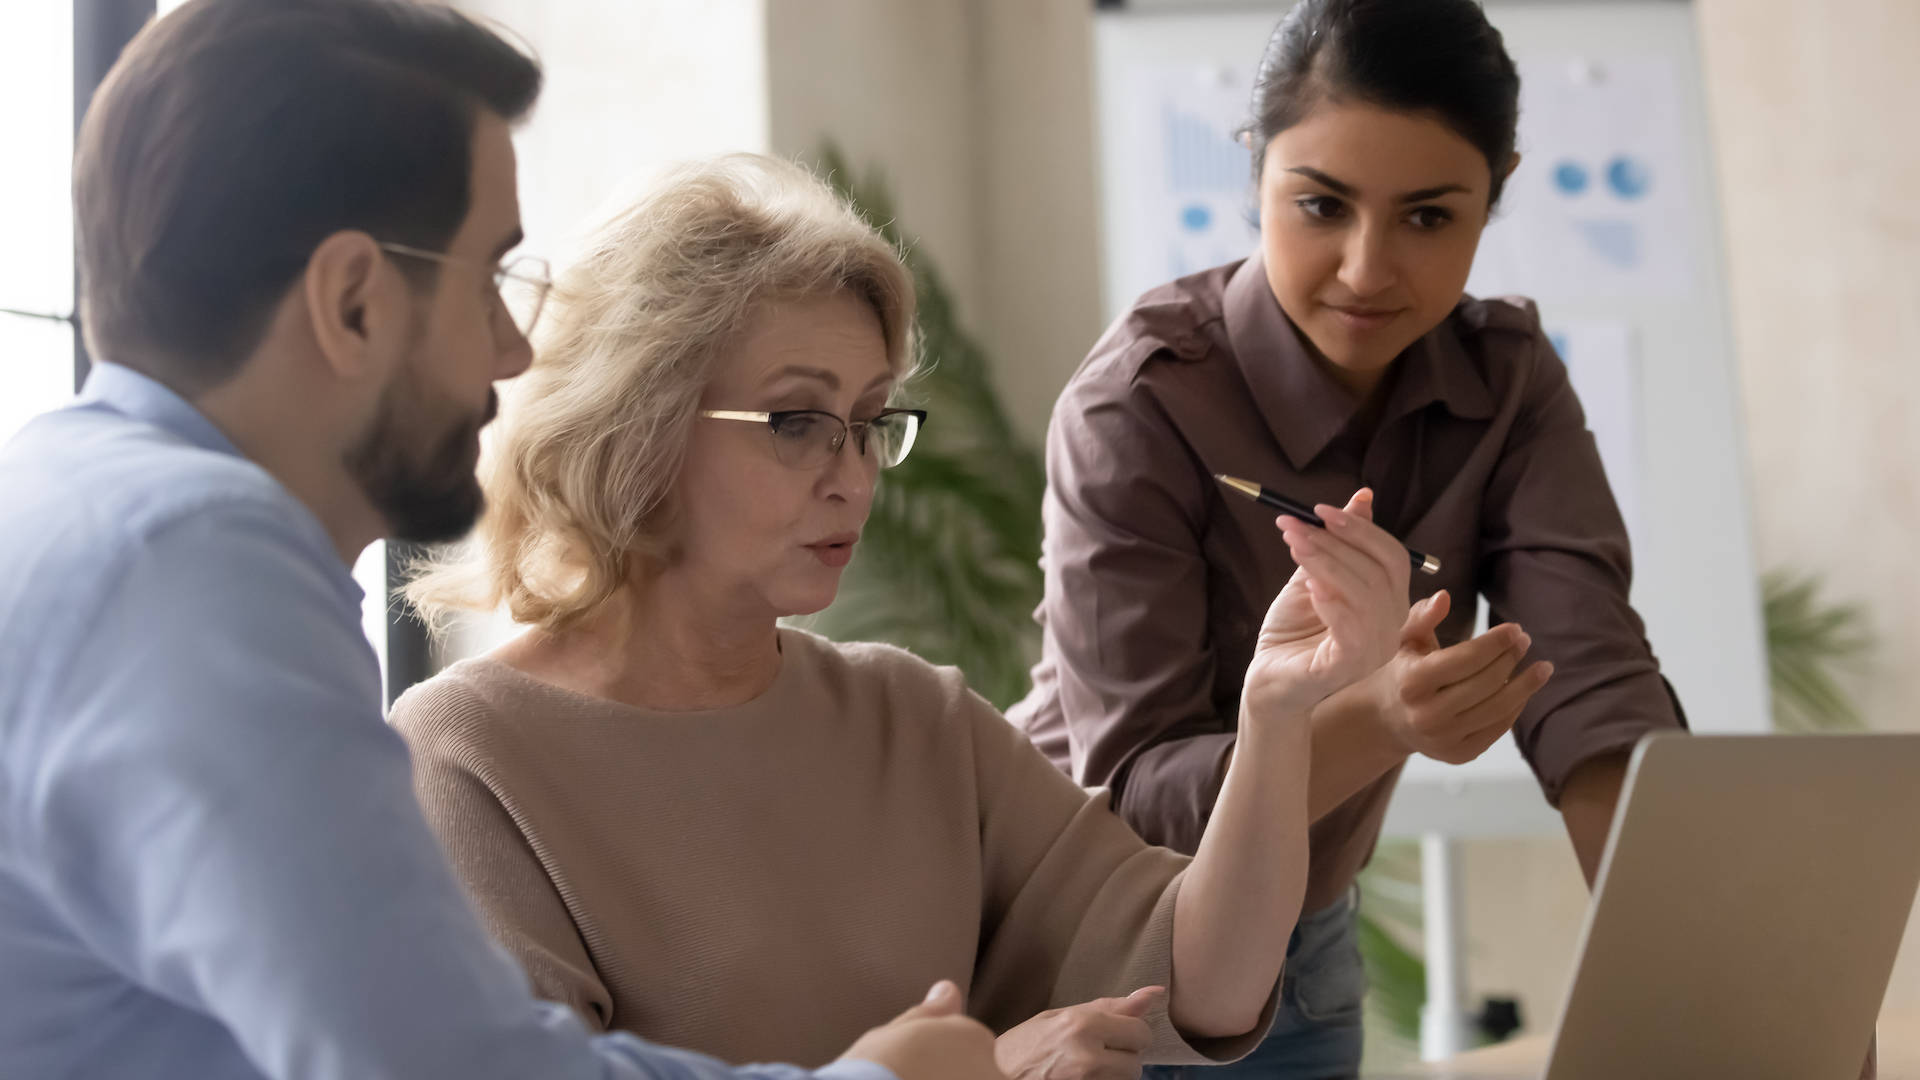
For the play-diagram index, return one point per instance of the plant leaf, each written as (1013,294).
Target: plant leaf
(1809,644)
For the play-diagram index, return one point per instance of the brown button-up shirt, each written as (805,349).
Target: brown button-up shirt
(1158,579)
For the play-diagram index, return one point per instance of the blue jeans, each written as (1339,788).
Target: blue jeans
(1316,1031)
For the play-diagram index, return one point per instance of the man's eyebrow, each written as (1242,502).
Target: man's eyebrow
(512,241)
(1324,180)
(1434,192)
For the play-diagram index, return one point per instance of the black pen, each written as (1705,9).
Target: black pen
(1422,562)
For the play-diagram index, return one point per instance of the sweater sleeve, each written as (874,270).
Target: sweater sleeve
(1076,905)
(504,877)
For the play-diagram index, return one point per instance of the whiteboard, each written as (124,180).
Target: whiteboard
(1631,286)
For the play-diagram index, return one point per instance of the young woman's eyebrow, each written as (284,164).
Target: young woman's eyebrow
(1344,188)
(1318,177)
(1434,192)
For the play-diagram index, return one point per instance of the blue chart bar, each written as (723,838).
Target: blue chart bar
(1201,157)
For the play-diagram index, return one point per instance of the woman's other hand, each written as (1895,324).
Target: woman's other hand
(934,1040)
(1095,1040)
(1451,704)
(1339,619)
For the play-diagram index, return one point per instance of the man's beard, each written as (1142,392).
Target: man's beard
(416,464)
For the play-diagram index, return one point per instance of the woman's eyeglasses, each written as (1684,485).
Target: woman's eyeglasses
(520,286)
(809,438)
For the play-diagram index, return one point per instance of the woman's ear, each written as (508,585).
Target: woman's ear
(1512,164)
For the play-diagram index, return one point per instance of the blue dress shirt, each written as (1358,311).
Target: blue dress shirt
(211,861)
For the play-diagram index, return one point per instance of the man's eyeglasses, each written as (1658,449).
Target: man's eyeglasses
(809,438)
(520,286)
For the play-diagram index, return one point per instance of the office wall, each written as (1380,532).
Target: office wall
(1525,902)
(1819,159)
(1818,156)
(979,112)
(631,85)
(890,81)
(1040,247)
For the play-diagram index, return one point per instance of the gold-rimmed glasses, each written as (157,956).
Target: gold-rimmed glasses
(520,286)
(809,438)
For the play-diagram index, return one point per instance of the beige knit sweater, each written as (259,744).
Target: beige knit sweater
(766,882)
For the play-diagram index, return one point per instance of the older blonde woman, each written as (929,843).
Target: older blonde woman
(690,823)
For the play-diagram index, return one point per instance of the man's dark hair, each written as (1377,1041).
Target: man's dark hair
(1419,56)
(234,135)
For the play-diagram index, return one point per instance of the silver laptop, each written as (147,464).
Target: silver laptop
(1751,900)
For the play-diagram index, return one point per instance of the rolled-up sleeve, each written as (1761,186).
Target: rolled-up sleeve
(1555,559)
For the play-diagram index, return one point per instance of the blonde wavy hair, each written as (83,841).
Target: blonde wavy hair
(589,442)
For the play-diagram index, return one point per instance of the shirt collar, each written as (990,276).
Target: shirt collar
(1438,368)
(1302,405)
(132,394)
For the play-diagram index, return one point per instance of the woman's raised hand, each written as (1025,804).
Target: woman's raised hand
(1339,618)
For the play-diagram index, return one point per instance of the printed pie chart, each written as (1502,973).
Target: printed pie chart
(1629,177)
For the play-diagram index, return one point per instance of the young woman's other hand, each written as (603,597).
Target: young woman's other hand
(1451,704)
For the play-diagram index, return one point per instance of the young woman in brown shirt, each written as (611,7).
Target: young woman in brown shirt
(692,824)
(1342,354)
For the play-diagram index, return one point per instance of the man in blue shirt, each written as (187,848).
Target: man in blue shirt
(211,864)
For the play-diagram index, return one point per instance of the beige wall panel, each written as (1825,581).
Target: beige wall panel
(1040,222)
(980,113)
(1819,157)
(1813,106)
(892,82)
(1525,903)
